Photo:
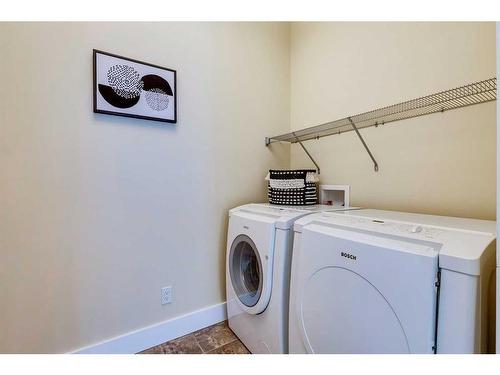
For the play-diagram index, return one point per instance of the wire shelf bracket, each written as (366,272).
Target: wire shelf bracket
(375,164)
(459,97)
(308,154)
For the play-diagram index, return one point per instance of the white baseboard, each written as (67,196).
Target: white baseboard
(136,341)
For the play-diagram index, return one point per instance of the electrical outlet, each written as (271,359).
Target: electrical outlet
(166,295)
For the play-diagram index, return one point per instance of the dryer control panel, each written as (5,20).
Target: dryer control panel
(388,227)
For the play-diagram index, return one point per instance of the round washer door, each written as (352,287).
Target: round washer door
(246,272)
(342,312)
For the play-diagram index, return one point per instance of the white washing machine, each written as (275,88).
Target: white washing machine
(258,259)
(373,281)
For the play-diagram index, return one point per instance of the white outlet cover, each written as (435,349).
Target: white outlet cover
(166,295)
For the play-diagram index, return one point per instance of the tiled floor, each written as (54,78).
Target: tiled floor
(216,339)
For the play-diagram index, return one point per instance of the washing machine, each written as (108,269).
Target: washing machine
(258,260)
(373,281)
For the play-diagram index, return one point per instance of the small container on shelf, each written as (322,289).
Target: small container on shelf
(334,195)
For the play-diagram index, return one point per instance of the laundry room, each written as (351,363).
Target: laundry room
(248,186)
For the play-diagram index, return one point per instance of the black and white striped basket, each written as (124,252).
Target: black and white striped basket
(292,187)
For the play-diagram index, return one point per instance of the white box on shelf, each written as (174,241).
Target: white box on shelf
(335,195)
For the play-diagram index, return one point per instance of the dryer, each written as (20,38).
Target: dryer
(258,260)
(373,281)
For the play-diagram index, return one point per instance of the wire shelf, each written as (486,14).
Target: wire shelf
(474,93)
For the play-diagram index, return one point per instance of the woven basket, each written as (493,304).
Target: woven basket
(296,187)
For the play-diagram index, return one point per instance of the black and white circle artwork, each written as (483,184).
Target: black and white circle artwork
(125,81)
(135,89)
(157,99)
(157,92)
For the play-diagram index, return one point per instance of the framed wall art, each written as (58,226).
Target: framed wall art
(132,88)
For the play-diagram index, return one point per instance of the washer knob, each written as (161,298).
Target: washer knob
(416,229)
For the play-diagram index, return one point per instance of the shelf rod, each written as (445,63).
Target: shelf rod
(375,165)
(308,154)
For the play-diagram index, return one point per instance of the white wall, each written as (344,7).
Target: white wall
(498,194)
(439,164)
(98,212)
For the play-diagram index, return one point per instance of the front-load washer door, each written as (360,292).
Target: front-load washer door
(249,261)
(245,269)
(363,293)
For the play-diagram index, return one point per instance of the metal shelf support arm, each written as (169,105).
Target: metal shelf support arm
(375,165)
(308,154)
(268,142)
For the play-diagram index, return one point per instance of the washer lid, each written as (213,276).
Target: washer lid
(284,216)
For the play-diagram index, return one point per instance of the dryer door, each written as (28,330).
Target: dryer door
(363,293)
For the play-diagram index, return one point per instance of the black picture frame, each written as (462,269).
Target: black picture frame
(95,52)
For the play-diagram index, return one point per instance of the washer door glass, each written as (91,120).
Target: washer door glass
(245,269)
